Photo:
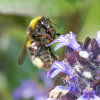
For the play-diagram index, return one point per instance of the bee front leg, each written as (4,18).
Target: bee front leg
(47,66)
(46,36)
(58,34)
(55,58)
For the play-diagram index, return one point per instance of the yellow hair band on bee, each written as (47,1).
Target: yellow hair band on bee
(34,21)
(28,43)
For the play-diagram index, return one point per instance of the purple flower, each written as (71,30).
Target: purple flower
(60,91)
(48,83)
(74,89)
(98,38)
(66,40)
(58,67)
(89,94)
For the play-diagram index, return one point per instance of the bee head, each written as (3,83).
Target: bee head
(46,23)
(42,25)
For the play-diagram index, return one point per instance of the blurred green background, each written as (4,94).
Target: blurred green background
(80,16)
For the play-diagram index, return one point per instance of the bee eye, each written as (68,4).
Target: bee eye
(42,23)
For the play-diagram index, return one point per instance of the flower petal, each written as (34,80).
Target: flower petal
(75,90)
(56,72)
(61,39)
(57,65)
(59,45)
(62,87)
(66,40)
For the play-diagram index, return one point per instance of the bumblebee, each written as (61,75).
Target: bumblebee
(41,32)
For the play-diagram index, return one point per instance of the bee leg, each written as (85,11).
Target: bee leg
(40,36)
(44,36)
(47,66)
(51,39)
(37,44)
(58,34)
(55,58)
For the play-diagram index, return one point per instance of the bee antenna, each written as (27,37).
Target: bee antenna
(58,27)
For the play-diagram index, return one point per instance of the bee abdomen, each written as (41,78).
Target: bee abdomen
(40,55)
(46,58)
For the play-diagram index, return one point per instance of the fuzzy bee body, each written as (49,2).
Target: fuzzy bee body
(40,55)
(43,31)
(40,33)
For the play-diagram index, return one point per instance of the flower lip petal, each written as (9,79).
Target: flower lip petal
(66,40)
(61,39)
(59,46)
(57,65)
(74,89)
(62,87)
(56,72)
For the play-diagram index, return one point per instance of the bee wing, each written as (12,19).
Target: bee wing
(23,52)
(22,55)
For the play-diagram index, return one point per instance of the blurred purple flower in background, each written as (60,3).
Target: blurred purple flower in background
(47,82)
(25,90)
(28,89)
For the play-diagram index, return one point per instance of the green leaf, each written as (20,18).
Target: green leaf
(39,7)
